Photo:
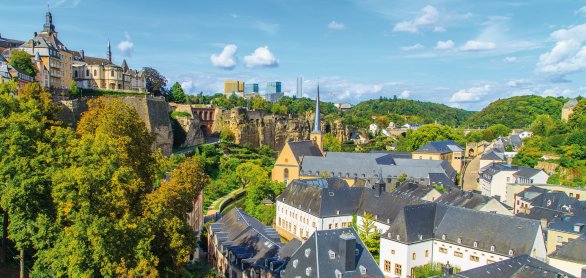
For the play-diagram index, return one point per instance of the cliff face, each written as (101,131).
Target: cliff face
(187,129)
(153,111)
(259,128)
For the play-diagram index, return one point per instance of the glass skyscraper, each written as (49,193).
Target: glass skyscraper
(251,88)
(299,93)
(273,87)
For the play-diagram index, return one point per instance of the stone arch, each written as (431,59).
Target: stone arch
(471,152)
(328,128)
(205,130)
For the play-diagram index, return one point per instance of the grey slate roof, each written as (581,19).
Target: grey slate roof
(567,223)
(574,250)
(555,200)
(313,257)
(538,213)
(302,149)
(444,146)
(387,206)
(486,229)
(515,140)
(460,198)
(321,201)
(571,103)
(369,165)
(493,155)
(488,171)
(441,179)
(518,267)
(416,190)
(527,172)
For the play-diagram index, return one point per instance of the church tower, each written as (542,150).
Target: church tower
(109,54)
(316,135)
(49,28)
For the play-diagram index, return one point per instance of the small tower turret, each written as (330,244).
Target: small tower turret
(316,135)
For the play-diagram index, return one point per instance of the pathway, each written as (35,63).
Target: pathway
(470,179)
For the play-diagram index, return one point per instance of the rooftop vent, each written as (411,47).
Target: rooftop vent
(578,227)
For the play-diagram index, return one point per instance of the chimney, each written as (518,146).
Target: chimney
(578,227)
(447,270)
(82,54)
(346,251)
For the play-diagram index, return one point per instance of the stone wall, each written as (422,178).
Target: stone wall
(259,128)
(153,111)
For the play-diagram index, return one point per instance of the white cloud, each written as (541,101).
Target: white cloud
(405,94)
(428,18)
(444,45)
(474,94)
(568,56)
(261,57)
(474,45)
(336,25)
(581,11)
(510,60)
(72,3)
(519,83)
(227,59)
(126,46)
(417,46)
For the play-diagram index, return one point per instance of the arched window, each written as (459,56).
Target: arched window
(95,73)
(112,73)
(286,173)
(459,240)
(475,244)
(492,248)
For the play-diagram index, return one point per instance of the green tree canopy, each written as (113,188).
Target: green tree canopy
(177,94)
(21,60)
(414,139)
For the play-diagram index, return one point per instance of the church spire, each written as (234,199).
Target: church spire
(317,122)
(109,54)
(48,27)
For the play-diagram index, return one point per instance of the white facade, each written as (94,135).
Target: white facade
(498,184)
(573,268)
(409,256)
(302,224)
(525,134)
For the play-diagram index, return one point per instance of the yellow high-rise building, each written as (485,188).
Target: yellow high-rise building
(233,86)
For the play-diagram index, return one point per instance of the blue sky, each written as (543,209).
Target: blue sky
(461,53)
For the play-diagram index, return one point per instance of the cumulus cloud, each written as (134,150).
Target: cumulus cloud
(510,60)
(474,45)
(261,57)
(428,17)
(568,56)
(417,46)
(405,94)
(336,25)
(474,94)
(126,46)
(444,45)
(581,11)
(227,59)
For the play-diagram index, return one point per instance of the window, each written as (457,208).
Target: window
(560,239)
(392,251)
(426,253)
(474,258)
(577,196)
(286,173)
(313,225)
(492,248)
(510,252)
(414,256)
(112,73)
(458,254)
(330,226)
(75,74)
(475,244)
(336,225)
(387,266)
(443,250)
(459,240)
(398,269)
(87,72)
(489,262)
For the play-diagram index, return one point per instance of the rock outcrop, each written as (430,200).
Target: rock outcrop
(187,130)
(153,111)
(259,128)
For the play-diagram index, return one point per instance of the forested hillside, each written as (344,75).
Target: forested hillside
(404,110)
(517,112)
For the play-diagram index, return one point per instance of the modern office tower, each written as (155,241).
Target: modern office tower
(233,86)
(299,93)
(273,87)
(251,88)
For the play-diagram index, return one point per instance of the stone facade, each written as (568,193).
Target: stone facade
(260,128)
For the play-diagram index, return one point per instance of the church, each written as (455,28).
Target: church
(308,160)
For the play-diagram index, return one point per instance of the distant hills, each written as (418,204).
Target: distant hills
(396,110)
(517,112)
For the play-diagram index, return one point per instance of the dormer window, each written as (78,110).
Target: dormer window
(398,237)
(475,244)
(362,270)
(459,240)
(295,263)
(444,237)
(308,271)
(307,252)
(492,248)
(511,252)
(332,254)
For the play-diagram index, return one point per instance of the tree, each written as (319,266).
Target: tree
(73,89)
(21,60)
(155,82)
(369,234)
(259,103)
(543,125)
(577,119)
(249,173)
(495,131)
(177,94)
(428,133)
(331,143)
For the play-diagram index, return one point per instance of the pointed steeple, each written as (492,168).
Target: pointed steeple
(109,54)
(317,121)
(48,27)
